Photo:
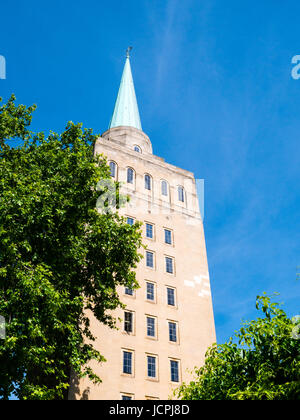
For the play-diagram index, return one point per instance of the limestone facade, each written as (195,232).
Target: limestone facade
(169,319)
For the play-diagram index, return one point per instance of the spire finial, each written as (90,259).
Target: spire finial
(128,52)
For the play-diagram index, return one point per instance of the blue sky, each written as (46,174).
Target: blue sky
(216,96)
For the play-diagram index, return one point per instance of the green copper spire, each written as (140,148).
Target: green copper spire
(126,110)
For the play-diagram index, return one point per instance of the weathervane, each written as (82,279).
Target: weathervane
(128,52)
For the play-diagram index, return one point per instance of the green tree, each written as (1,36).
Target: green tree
(264,363)
(59,256)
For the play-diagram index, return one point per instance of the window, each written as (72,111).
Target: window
(150,326)
(151,366)
(150,295)
(137,149)
(130,221)
(169,265)
(130,175)
(181,194)
(149,231)
(113,169)
(164,188)
(173,332)
(128,291)
(149,259)
(148,182)
(127,362)
(128,322)
(126,397)
(174,365)
(168,237)
(171,296)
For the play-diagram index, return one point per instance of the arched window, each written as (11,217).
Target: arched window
(181,194)
(147,182)
(137,149)
(113,169)
(130,175)
(164,188)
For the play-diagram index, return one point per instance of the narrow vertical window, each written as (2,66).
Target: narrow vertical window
(127,362)
(172,332)
(137,149)
(151,366)
(147,182)
(128,322)
(164,188)
(174,365)
(170,296)
(169,265)
(150,326)
(113,169)
(150,295)
(149,231)
(130,176)
(149,259)
(181,194)
(168,237)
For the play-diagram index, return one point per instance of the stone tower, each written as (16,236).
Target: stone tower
(168,322)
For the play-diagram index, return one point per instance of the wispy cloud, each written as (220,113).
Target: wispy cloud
(168,40)
(169,27)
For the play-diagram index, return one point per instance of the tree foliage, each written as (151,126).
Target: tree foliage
(59,256)
(264,363)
